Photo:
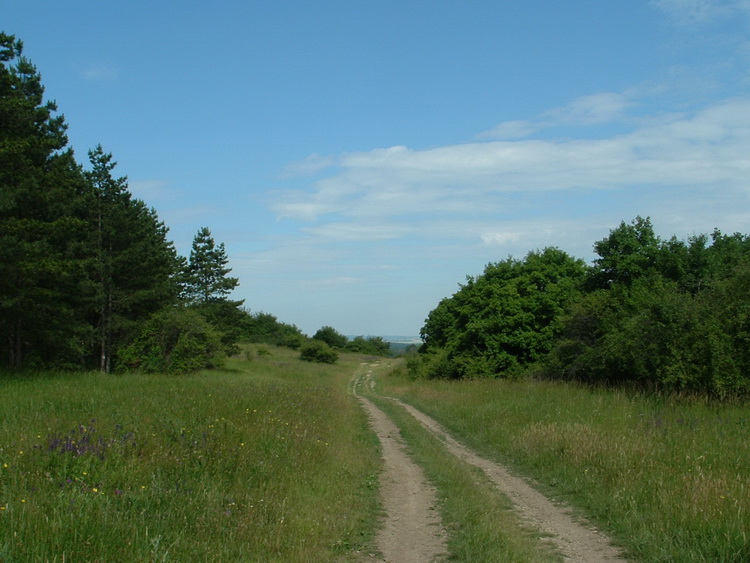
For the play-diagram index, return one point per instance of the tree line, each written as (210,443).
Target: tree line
(89,277)
(658,313)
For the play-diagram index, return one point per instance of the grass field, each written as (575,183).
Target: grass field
(668,477)
(272,460)
(269,460)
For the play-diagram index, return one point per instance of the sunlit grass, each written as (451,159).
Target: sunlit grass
(270,460)
(670,478)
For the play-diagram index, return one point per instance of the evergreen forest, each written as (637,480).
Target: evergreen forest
(90,279)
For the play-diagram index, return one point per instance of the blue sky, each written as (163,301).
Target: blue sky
(360,158)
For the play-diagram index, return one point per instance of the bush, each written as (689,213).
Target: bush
(332,337)
(318,351)
(175,340)
(373,345)
(503,321)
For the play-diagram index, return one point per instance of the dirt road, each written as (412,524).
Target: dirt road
(412,531)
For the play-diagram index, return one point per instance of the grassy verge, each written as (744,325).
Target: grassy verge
(270,460)
(480,522)
(669,478)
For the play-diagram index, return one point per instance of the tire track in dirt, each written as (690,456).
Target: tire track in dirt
(412,531)
(578,541)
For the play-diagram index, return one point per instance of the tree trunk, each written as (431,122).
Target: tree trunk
(15,346)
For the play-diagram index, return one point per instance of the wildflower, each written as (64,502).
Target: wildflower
(95,490)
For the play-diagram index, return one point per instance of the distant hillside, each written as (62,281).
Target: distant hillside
(399,344)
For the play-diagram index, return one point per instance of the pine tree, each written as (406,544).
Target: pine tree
(206,278)
(207,286)
(135,263)
(42,222)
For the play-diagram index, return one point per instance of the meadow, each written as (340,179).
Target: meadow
(268,460)
(272,459)
(668,477)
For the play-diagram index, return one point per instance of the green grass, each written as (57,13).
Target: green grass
(668,477)
(269,460)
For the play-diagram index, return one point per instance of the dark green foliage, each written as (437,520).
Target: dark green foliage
(227,318)
(676,322)
(655,335)
(627,254)
(206,276)
(134,263)
(84,264)
(661,314)
(42,224)
(435,364)
(318,351)
(264,327)
(373,345)
(175,340)
(206,285)
(332,337)
(499,323)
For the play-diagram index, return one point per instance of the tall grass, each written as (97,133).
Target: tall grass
(270,460)
(668,477)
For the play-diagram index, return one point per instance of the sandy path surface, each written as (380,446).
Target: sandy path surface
(412,531)
(578,541)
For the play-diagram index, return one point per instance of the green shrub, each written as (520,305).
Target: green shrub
(373,345)
(332,337)
(318,351)
(175,340)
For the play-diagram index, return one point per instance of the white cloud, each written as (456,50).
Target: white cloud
(101,73)
(333,282)
(507,130)
(500,238)
(309,166)
(152,189)
(594,109)
(701,11)
(352,232)
(588,110)
(711,147)
(477,202)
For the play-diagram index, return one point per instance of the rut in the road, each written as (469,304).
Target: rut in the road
(578,542)
(412,530)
